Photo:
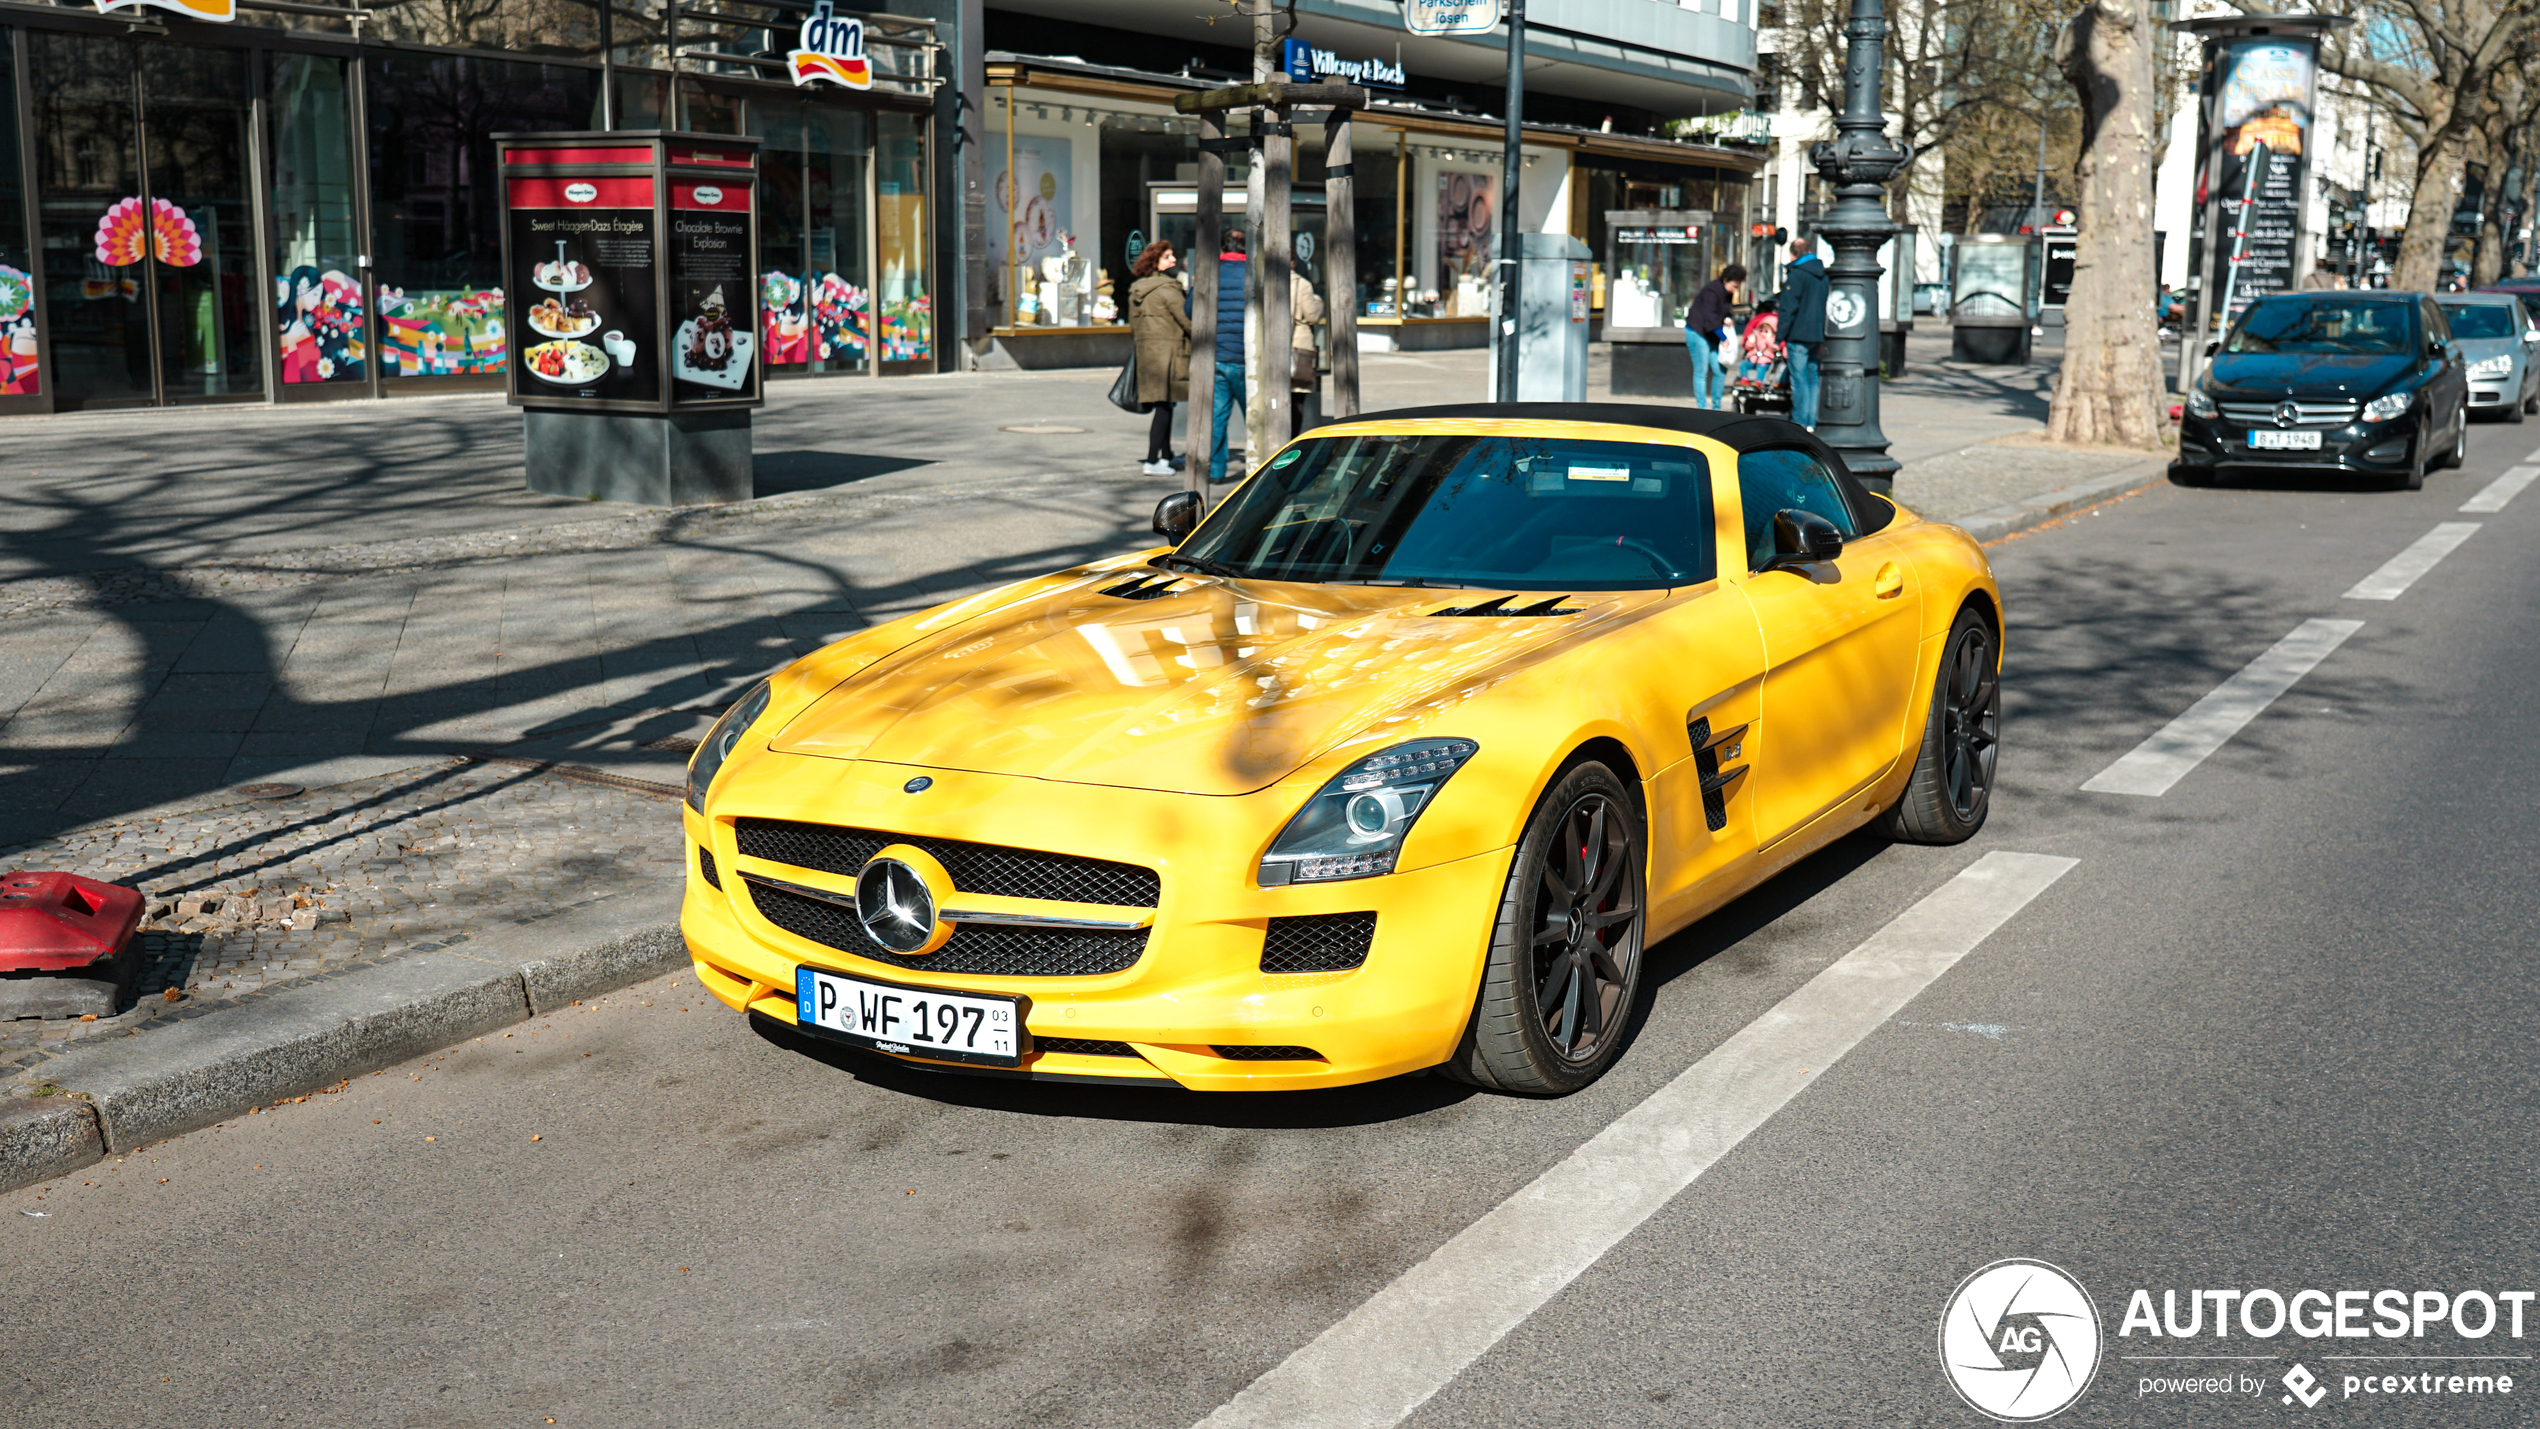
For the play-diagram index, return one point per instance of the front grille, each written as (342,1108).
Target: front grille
(1268,1054)
(1082,1046)
(706,869)
(1317,943)
(975,868)
(973,948)
(2314,414)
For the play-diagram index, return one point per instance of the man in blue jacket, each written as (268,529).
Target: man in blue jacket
(1230,347)
(1803,319)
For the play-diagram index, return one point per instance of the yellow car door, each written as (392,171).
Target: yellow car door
(1707,659)
(1841,642)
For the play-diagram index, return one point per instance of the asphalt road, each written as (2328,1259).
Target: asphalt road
(2275,1028)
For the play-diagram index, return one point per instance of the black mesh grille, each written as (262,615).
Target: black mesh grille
(973,948)
(975,868)
(1318,943)
(1082,1046)
(706,869)
(1268,1054)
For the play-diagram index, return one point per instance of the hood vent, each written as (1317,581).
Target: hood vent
(1144,587)
(1499,605)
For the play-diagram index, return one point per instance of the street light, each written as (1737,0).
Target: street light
(1857,164)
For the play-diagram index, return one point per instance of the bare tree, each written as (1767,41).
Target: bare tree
(2109,387)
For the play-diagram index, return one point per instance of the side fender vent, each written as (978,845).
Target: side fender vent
(1708,750)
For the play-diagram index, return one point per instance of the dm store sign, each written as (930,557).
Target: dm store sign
(831,50)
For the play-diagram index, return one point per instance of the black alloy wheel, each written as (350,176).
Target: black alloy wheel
(1560,989)
(1951,789)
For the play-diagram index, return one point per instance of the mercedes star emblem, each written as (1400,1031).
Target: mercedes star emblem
(894,905)
(2287,413)
(918,785)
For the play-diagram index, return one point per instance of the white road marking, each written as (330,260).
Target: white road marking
(1414,1336)
(2401,571)
(2150,768)
(2494,495)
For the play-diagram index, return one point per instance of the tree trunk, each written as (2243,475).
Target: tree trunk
(2420,260)
(2111,384)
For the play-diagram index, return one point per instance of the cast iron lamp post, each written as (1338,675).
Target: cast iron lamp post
(1858,164)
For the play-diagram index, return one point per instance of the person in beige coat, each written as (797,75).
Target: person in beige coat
(1308,311)
(1161,330)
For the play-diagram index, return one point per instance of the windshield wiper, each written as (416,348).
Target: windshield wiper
(1197,563)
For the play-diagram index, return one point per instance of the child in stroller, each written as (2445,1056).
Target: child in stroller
(1763,377)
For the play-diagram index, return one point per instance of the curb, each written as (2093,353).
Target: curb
(1995,523)
(133,1091)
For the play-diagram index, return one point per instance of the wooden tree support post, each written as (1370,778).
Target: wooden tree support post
(1202,262)
(1275,255)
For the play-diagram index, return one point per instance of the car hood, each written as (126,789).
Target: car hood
(2306,374)
(1214,687)
(2475,349)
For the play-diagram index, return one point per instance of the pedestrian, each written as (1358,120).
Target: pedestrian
(1307,383)
(1229,356)
(1707,329)
(1761,342)
(1803,326)
(1160,328)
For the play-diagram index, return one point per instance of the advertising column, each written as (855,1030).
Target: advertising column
(632,255)
(2256,157)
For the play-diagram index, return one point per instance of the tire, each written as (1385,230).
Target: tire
(2514,411)
(2460,444)
(1952,785)
(1568,940)
(2413,479)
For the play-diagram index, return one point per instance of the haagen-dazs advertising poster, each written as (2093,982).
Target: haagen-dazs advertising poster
(582,258)
(714,302)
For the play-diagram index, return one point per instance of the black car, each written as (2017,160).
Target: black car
(2365,382)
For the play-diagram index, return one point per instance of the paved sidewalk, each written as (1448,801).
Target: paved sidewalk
(346,597)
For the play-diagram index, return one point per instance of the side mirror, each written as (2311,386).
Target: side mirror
(1177,516)
(2213,347)
(1803,538)
(2531,338)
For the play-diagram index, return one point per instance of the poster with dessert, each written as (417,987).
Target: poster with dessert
(715,345)
(583,255)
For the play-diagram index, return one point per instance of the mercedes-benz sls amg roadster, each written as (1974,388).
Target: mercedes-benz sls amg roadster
(1398,760)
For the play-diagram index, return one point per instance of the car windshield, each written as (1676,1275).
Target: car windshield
(1509,513)
(2476,320)
(2322,325)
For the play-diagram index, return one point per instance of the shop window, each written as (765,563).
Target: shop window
(902,244)
(1467,243)
(815,274)
(19,374)
(437,242)
(319,303)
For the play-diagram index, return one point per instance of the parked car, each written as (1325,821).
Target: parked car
(2366,382)
(2498,338)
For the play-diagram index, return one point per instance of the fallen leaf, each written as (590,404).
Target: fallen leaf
(683,1270)
(88,1017)
(174,994)
(432,1138)
(163,1180)
(533,1138)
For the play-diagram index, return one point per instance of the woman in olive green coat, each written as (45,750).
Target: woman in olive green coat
(1162,332)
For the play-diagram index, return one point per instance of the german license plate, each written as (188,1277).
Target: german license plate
(912,1021)
(2284,441)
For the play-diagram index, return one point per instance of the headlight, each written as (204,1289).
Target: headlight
(719,743)
(2198,404)
(2385,408)
(2492,366)
(1354,825)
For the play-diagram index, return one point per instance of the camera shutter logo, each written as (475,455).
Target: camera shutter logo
(2019,1341)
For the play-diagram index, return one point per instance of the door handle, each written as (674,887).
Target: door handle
(1890,583)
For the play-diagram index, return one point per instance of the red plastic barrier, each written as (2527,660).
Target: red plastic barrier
(53,922)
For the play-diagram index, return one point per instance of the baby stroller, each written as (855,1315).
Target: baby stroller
(1769,392)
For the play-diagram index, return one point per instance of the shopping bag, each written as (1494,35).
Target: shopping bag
(1124,388)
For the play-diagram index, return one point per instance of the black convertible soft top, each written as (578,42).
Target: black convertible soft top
(1734,430)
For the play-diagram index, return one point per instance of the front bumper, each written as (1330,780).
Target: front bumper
(2374,447)
(1197,986)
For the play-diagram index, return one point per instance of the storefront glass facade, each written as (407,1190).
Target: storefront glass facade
(275,211)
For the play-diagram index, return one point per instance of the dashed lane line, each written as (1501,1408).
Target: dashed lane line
(2402,570)
(1417,1334)
(2150,768)
(2493,496)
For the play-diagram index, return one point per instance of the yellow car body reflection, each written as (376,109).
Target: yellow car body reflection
(1101,758)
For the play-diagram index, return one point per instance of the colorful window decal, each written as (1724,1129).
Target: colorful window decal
(444,333)
(171,236)
(17,334)
(321,318)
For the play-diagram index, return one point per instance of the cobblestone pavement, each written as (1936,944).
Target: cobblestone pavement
(253,895)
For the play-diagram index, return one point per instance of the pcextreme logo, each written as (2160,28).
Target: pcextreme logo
(2019,1341)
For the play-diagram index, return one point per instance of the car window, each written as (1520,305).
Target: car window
(1772,481)
(2436,329)
(1462,509)
(2322,324)
(2478,320)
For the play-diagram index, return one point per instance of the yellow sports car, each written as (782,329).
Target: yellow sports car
(1396,762)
